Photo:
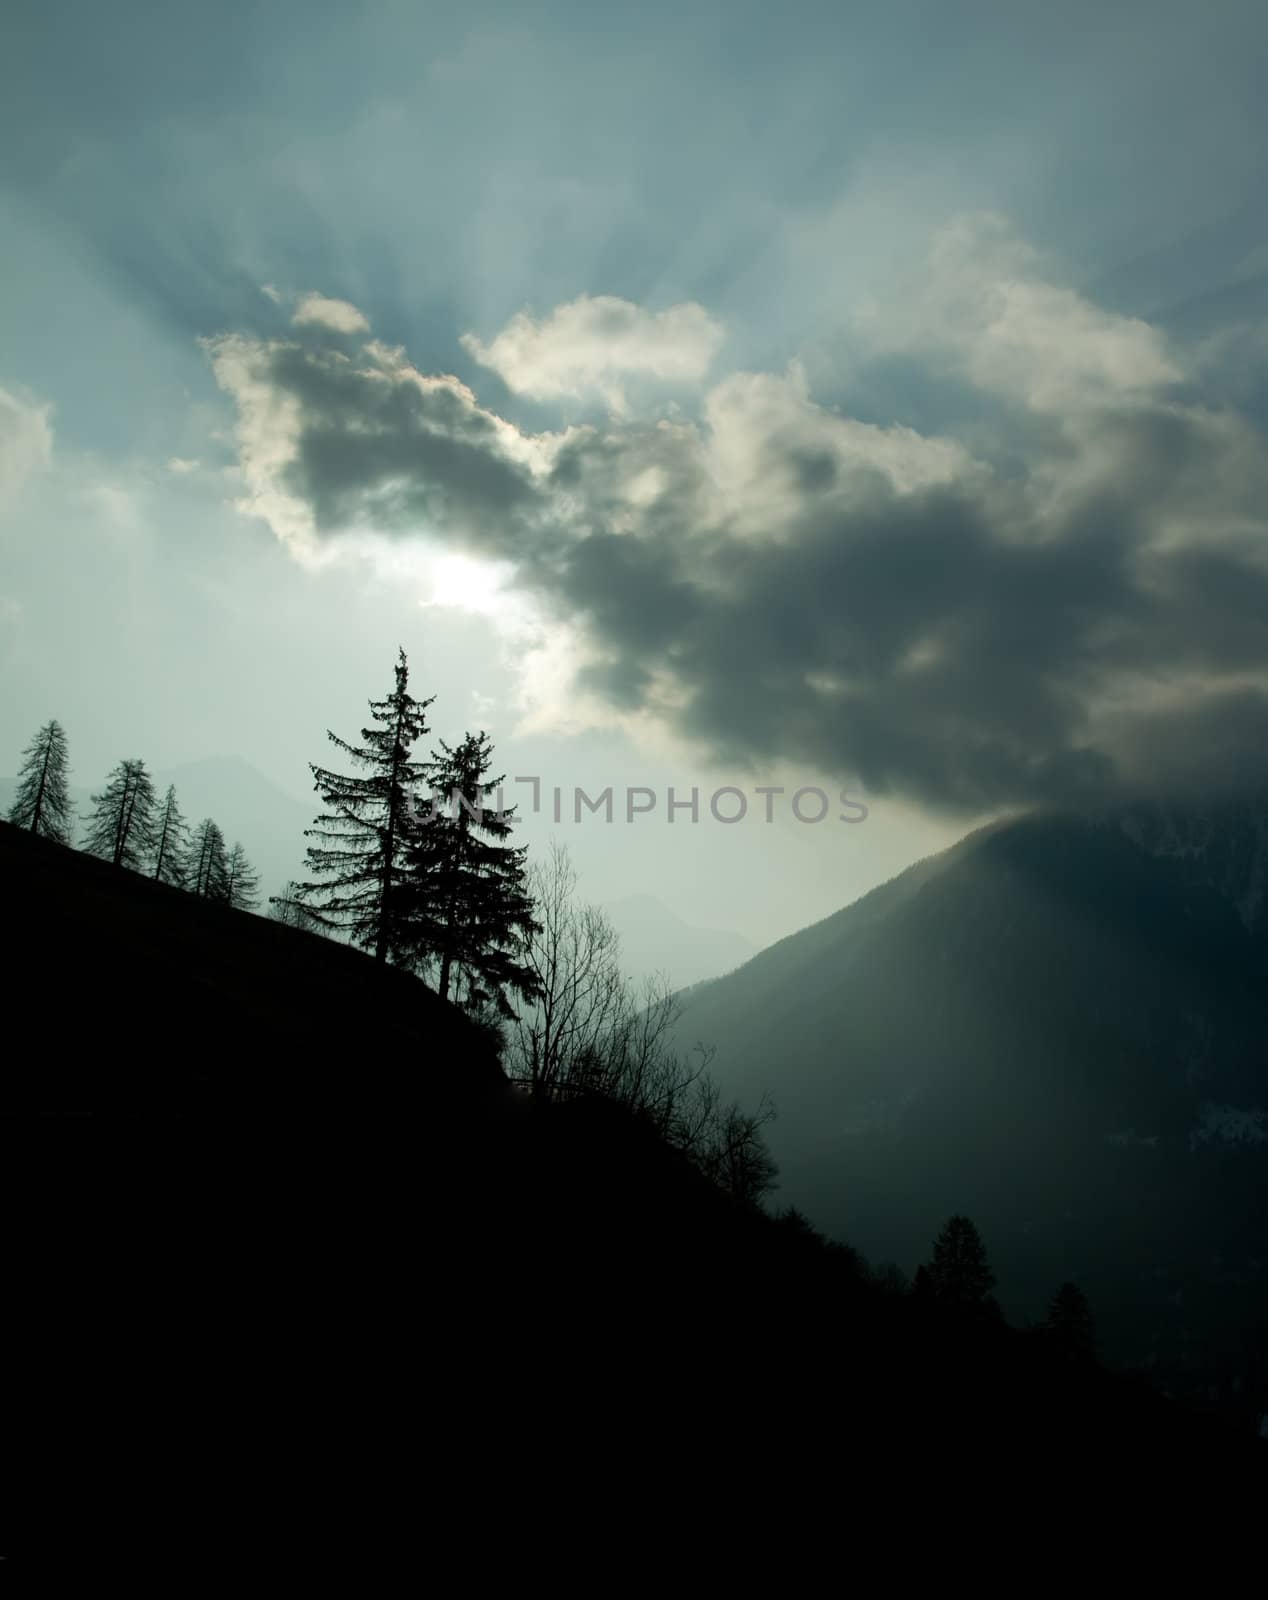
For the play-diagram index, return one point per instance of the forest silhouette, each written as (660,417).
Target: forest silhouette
(601,1202)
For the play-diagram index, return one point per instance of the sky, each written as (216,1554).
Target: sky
(815,396)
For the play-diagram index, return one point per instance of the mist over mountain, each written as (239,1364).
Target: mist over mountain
(1056,1026)
(655,940)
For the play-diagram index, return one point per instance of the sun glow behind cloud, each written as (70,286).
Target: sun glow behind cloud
(467,583)
(775,578)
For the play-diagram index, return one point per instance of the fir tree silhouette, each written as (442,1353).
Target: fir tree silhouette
(467,904)
(362,834)
(121,825)
(1070,1323)
(242,882)
(207,865)
(959,1272)
(41,804)
(171,841)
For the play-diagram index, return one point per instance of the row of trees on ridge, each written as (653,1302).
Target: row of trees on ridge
(129,825)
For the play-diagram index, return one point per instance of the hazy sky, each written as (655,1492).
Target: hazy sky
(701,394)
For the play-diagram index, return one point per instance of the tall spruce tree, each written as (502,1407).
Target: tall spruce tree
(469,907)
(242,882)
(361,837)
(960,1273)
(206,864)
(121,826)
(41,804)
(171,841)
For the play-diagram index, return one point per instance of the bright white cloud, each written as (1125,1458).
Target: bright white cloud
(26,444)
(984,306)
(771,447)
(266,435)
(338,315)
(594,343)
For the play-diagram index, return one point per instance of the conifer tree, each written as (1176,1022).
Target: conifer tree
(206,865)
(242,882)
(922,1285)
(960,1273)
(121,827)
(171,841)
(41,804)
(361,836)
(1070,1323)
(469,907)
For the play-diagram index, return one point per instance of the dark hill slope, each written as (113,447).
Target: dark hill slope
(621,1294)
(354,1266)
(130,996)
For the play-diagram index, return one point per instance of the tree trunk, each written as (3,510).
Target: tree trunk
(39,793)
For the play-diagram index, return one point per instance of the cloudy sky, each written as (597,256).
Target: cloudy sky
(701,393)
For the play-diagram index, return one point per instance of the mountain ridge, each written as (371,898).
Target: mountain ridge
(1046,1025)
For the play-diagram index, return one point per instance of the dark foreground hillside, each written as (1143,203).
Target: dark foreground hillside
(361,1291)
(134,997)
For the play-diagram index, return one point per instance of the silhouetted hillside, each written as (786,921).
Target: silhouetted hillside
(139,998)
(370,1219)
(632,1305)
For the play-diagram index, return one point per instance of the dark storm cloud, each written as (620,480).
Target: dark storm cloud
(393,453)
(783,584)
(364,441)
(1213,747)
(811,649)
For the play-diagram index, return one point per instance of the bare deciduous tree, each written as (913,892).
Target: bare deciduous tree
(591,1032)
(559,1042)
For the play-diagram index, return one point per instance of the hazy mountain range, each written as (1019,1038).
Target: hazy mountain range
(1059,1026)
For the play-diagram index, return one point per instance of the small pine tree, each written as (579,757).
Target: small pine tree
(362,835)
(41,804)
(171,842)
(1070,1323)
(207,865)
(121,826)
(468,907)
(961,1276)
(242,882)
